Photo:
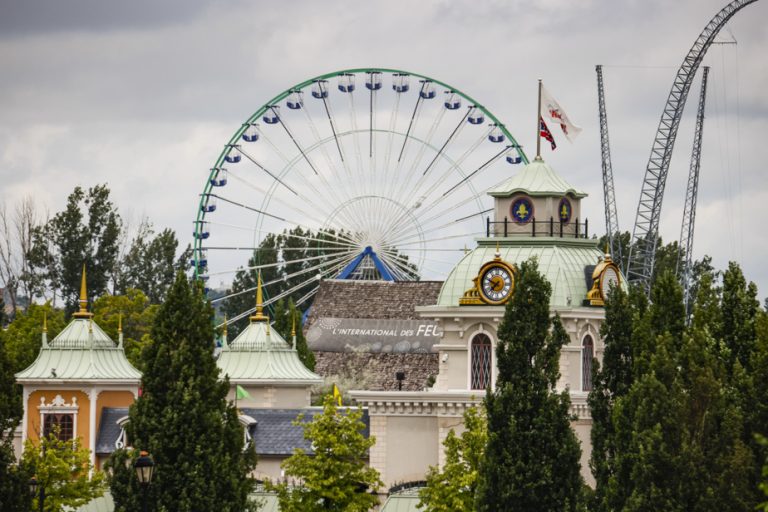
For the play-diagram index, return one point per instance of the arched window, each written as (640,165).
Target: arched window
(481,361)
(587,353)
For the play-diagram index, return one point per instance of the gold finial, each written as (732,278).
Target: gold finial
(607,252)
(293,326)
(498,251)
(120,322)
(259,315)
(83,313)
(45,321)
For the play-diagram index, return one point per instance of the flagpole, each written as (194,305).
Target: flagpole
(538,125)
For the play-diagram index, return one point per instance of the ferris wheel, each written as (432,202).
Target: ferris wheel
(371,173)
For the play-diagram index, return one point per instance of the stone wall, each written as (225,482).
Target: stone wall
(377,371)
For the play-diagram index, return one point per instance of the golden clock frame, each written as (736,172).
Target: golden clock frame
(597,295)
(475,296)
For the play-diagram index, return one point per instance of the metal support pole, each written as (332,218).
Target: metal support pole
(538,125)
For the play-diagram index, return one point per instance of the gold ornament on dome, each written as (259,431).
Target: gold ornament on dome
(493,285)
(605,275)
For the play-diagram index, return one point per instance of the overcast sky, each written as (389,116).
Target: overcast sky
(142,94)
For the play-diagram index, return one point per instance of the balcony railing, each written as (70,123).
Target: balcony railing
(507,228)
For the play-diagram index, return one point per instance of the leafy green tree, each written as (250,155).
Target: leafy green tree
(336,477)
(532,456)
(285,320)
(452,488)
(183,418)
(150,264)
(62,468)
(14,496)
(668,431)
(23,337)
(135,312)
(86,232)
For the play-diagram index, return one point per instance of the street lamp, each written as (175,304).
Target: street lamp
(145,467)
(34,486)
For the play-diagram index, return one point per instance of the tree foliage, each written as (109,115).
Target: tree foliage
(672,413)
(85,232)
(532,456)
(336,477)
(285,320)
(23,337)
(150,264)
(62,468)
(14,496)
(183,418)
(452,488)
(135,312)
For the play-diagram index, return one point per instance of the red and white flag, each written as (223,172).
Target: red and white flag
(552,112)
(546,134)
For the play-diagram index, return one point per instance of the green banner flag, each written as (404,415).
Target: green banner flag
(240,393)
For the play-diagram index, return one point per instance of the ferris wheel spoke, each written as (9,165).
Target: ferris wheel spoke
(274,265)
(331,263)
(330,121)
(293,139)
(271,175)
(449,139)
(453,166)
(440,238)
(413,119)
(473,173)
(245,206)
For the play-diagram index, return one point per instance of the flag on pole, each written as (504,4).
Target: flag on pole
(545,133)
(552,112)
(240,393)
(337,395)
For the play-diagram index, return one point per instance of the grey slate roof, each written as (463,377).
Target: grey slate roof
(342,298)
(275,434)
(109,430)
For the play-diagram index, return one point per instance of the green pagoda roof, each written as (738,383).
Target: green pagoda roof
(536,179)
(260,354)
(81,352)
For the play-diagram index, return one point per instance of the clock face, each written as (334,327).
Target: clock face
(610,278)
(496,284)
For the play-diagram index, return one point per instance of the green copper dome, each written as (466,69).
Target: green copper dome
(536,179)
(562,261)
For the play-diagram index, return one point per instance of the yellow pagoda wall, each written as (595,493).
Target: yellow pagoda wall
(34,426)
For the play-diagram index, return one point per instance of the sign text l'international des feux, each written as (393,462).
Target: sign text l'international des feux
(329,334)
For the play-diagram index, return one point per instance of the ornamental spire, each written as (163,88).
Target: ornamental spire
(259,315)
(83,313)
(293,331)
(45,329)
(120,330)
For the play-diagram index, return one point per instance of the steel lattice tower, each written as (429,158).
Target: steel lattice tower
(685,261)
(609,195)
(646,230)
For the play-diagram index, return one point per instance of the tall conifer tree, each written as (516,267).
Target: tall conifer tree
(532,456)
(183,418)
(13,479)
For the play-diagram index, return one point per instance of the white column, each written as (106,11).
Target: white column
(93,394)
